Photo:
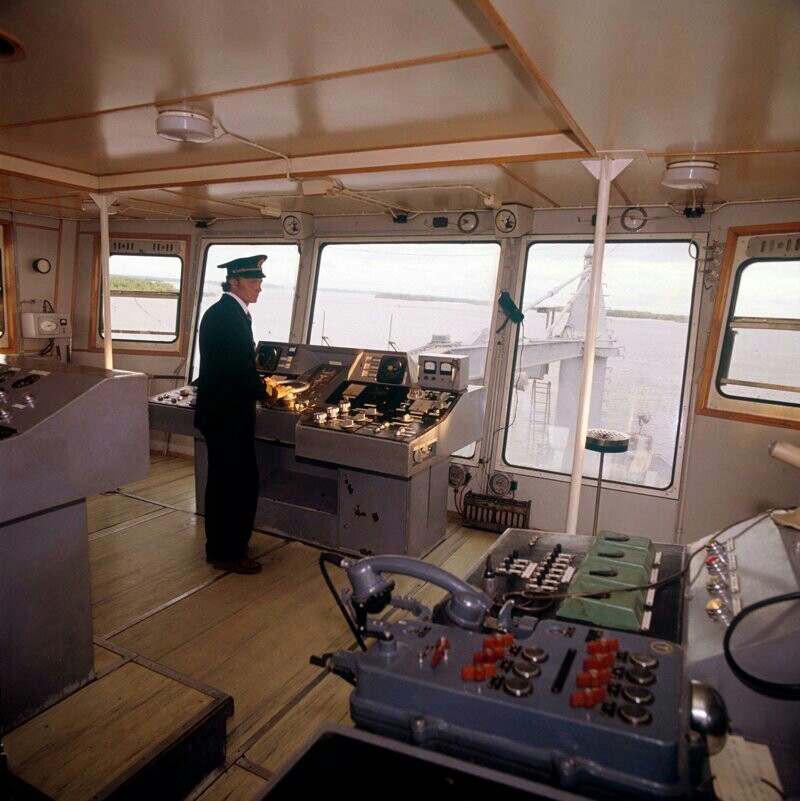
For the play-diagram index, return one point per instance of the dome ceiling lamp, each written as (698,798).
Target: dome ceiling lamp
(691,174)
(180,125)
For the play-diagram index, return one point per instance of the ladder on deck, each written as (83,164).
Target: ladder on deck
(541,414)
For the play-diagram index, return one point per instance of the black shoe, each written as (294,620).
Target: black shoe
(244,565)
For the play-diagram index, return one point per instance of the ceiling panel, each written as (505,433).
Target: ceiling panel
(677,75)
(85,55)
(458,100)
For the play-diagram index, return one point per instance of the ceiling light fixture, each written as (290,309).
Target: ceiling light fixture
(691,174)
(185,126)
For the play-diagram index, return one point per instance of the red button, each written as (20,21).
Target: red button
(598,662)
(480,673)
(577,698)
(613,645)
(507,639)
(490,670)
(468,673)
(597,647)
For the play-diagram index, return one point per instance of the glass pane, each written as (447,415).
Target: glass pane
(408,297)
(130,273)
(640,360)
(769,289)
(143,319)
(147,319)
(272,315)
(766,357)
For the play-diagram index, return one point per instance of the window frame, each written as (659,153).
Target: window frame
(204,247)
(131,293)
(126,245)
(684,410)
(8,340)
(712,402)
(320,244)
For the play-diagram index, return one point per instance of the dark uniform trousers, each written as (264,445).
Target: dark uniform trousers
(228,388)
(231,492)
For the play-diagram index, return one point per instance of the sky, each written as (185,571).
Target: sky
(651,276)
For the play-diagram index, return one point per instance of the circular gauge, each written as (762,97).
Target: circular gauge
(41,266)
(634,218)
(500,483)
(505,220)
(468,222)
(457,476)
(48,326)
(292,225)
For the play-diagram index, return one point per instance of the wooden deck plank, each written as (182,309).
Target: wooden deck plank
(144,566)
(235,784)
(326,702)
(65,751)
(249,636)
(103,658)
(104,511)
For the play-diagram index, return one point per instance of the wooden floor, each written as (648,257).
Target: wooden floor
(249,636)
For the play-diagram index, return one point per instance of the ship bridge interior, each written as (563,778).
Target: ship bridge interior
(501,186)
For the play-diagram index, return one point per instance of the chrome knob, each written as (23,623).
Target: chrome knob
(28,398)
(333,412)
(716,585)
(718,610)
(4,413)
(709,716)
(320,418)
(344,406)
(3,396)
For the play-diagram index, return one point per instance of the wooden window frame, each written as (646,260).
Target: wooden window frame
(9,288)
(710,401)
(133,347)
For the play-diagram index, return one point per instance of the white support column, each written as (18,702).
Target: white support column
(103,202)
(604,169)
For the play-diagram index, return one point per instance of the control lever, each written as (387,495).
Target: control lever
(327,663)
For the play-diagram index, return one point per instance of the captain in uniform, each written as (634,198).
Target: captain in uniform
(227,390)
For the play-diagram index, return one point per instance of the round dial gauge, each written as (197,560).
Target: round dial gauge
(48,326)
(505,220)
(468,222)
(634,218)
(41,265)
(500,483)
(291,225)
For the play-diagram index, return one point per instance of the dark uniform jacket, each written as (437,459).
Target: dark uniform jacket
(229,383)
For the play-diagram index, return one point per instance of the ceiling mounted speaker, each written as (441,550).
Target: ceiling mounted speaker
(691,174)
(185,126)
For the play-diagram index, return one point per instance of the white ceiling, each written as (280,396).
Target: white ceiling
(394,96)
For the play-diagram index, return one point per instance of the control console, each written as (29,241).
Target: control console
(352,451)
(591,710)
(572,578)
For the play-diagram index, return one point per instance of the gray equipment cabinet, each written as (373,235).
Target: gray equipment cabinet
(67,432)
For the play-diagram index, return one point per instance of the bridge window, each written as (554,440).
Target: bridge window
(640,362)
(145,297)
(761,347)
(272,315)
(407,296)
(750,371)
